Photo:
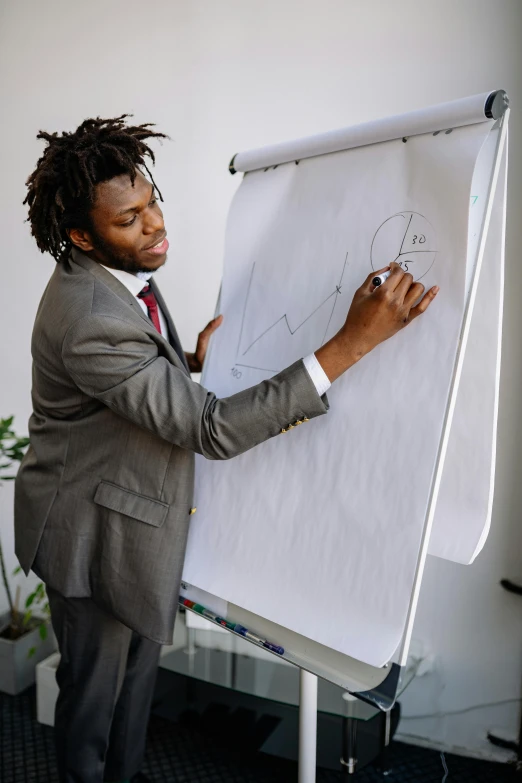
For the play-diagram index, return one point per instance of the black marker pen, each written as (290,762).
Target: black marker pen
(380,279)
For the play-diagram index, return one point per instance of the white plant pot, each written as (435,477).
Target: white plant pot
(46,689)
(17,668)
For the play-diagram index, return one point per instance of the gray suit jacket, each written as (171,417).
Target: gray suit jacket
(104,494)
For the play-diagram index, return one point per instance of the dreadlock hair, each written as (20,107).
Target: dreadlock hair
(61,189)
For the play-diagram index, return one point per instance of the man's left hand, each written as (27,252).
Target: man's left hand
(195,360)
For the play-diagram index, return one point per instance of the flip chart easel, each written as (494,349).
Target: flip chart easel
(376,685)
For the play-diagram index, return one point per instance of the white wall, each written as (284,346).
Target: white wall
(222,76)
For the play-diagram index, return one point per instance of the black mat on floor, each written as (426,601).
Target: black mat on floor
(187,754)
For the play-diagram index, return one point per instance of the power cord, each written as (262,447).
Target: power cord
(444,767)
(463,711)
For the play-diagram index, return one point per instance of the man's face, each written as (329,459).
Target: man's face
(128,229)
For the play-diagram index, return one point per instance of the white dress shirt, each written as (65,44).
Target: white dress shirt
(317,374)
(136,283)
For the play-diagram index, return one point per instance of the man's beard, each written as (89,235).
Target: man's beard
(116,259)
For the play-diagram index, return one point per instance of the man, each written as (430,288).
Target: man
(104,495)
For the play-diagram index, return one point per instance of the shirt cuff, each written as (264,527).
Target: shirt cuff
(317,374)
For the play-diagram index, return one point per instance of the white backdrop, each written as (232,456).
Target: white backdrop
(221,77)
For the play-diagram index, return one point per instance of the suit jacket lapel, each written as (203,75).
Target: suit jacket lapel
(123,293)
(170,323)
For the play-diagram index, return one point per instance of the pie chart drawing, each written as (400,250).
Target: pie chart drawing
(408,238)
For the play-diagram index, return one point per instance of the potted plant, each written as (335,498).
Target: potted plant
(24,637)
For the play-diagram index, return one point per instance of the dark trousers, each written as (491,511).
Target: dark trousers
(106,679)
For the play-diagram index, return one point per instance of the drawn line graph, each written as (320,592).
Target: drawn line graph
(242,356)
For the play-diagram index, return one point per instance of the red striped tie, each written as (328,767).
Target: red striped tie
(147,295)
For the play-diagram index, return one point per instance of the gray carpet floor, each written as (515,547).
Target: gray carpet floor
(187,754)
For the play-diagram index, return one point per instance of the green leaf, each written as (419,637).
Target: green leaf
(17,570)
(12,447)
(31,652)
(27,617)
(43,632)
(29,600)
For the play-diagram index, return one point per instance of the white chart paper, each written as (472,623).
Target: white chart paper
(332,513)
(464,506)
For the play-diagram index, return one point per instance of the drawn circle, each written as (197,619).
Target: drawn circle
(408,238)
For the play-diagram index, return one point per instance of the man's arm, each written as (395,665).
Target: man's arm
(117,363)
(374,316)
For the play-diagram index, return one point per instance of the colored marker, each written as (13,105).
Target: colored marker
(197,608)
(252,637)
(209,615)
(380,279)
(274,648)
(226,623)
(239,629)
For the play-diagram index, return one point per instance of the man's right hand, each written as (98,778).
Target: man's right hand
(374,316)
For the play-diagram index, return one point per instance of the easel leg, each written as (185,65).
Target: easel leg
(386,735)
(349,744)
(349,757)
(307,726)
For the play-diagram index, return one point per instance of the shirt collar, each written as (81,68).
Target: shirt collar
(131,282)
